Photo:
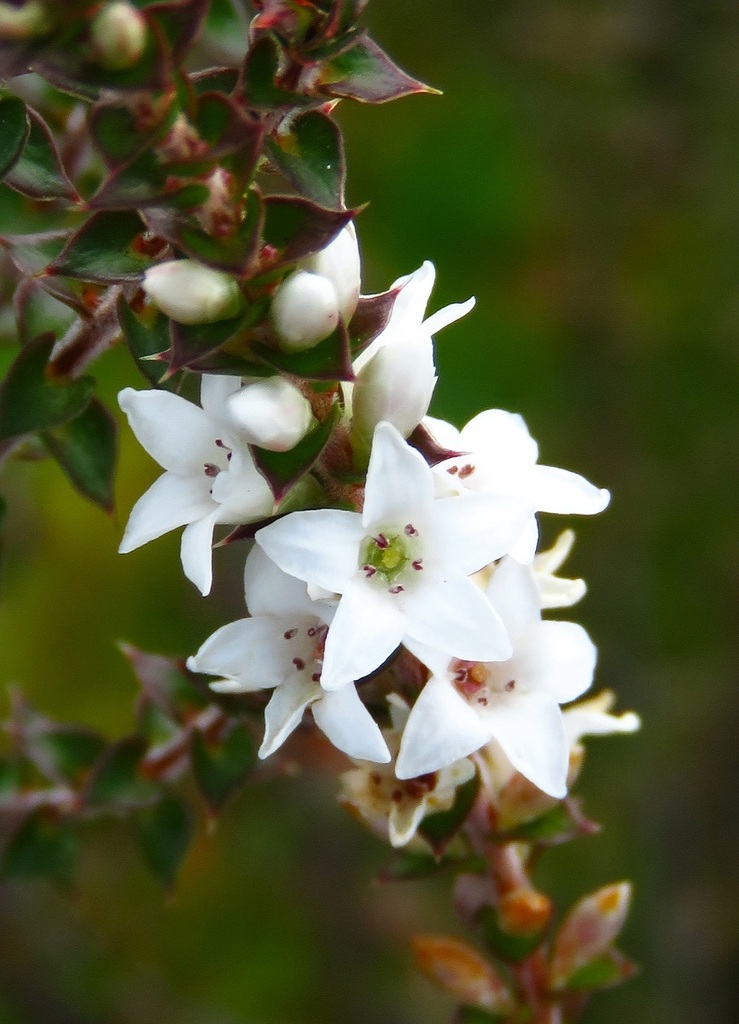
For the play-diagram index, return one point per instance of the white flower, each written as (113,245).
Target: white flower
(281,646)
(402,566)
(516,701)
(593,718)
(503,460)
(304,310)
(394,809)
(118,36)
(191,293)
(396,375)
(208,478)
(339,262)
(555,591)
(270,413)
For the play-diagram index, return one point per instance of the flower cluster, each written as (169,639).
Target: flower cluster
(415,538)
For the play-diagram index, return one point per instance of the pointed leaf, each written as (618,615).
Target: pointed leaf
(29,401)
(38,172)
(328,360)
(42,847)
(557,825)
(14,132)
(116,778)
(370,319)
(31,253)
(296,228)
(180,23)
(366,73)
(165,683)
(260,79)
(282,470)
(86,449)
(103,250)
(439,829)
(120,135)
(145,339)
(165,831)
(223,80)
(220,768)
(193,341)
(606,971)
(311,156)
(588,931)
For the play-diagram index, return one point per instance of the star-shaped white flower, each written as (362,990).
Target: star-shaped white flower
(515,701)
(209,477)
(402,566)
(281,646)
(502,460)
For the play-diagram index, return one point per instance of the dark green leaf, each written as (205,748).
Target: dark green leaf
(419,865)
(328,360)
(370,319)
(283,469)
(365,73)
(260,79)
(14,131)
(220,768)
(116,776)
(165,683)
(86,449)
(512,948)
(606,971)
(165,831)
(29,401)
(43,846)
(439,829)
(193,341)
(180,23)
(145,339)
(223,80)
(103,250)
(559,824)
(119,134)
(296,227)
(38,172)
(31,253)
(311,156)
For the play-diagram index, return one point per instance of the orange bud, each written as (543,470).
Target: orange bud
(461,972)
(524,912)
(588,931)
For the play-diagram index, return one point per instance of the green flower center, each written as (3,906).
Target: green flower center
(387,557)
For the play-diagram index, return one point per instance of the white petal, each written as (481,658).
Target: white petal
(175,432)
(284,712)
(502,437)
(448,315)
(415,293)
(514,593)
(404,819)
(444,433)
(455,617)
(196,552)
(470,531)
(320,546)
(241,490)
(270,591)
(530,730)
(557,658)
(524,548)
(253,651)
(583,720)
(400,487)
(214,390)
(441,729)
(558,490)
(171,501)
(342,716)
(365,631)
(557,592)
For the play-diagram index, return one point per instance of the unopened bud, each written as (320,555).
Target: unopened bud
(340,263)
(191,293)
(304,310)
(588,931)
(461,972)
(118,36)
(270,413)
(24,22)
(524,912)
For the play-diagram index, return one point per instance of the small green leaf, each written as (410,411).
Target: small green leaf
(145,339)
(283,469)
(560,823)
(31,253)
(365,73)
(38,172)
(193,341)
(439,829)
(311,156)
(164,832)
(220,768)
(166,683)
(30,402)
(103,251)
(512,948)
(260,79)
(606,971)
(180,23)
(86,449)
(328,360)
(119,135)
(116,778)
(43,846)
(14,131)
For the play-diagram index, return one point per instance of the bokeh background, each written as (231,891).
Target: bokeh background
(579,176)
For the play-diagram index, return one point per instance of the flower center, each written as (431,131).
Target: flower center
(478,683)
(388,556)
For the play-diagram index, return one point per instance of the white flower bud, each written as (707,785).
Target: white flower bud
(118,36)
(191,293)
(304,310)
(269,413)
(23,22)
(396,385)
(340,263)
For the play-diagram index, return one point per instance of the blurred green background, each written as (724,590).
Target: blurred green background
(579,176)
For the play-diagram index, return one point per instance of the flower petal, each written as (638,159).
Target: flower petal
(320,546)
(342,716)
(251,651)
(400,487)
(171,501)
(284,712)
(214,390)
(557,658)
(196,551)
(559,490)
(441,729)
(365,631)
(175,432)
(454,616)
(404,819)
(448,315)
(513,592)
(270,591)
(530,730)
(501,437)
(470,531)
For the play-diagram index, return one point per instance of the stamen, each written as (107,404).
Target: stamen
(316,677)
(220,443)
(409,530)
(369,571)
(418,564)
(299,664)
(290,633)
(381,541)
(210,469)
(453,470)
(510,686)
(397,589)
(466,470)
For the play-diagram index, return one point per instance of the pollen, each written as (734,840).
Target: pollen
(479,673)
(391,558)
